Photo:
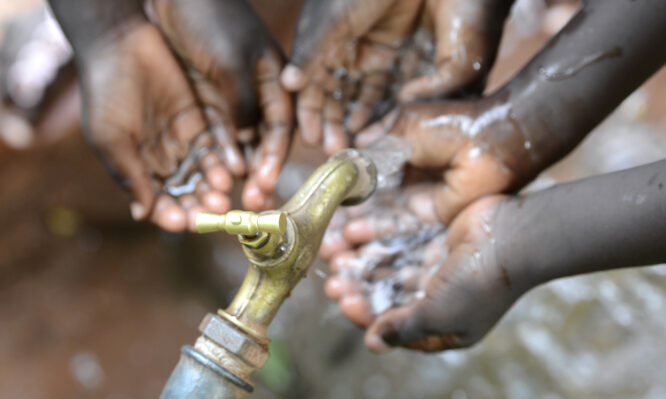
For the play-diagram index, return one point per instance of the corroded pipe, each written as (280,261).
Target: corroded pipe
(233,342)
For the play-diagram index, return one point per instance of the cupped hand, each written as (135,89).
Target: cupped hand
(448,297)
(349,56)
(467,34)
(234,63)
(476,146)
(141,117)
(342,60)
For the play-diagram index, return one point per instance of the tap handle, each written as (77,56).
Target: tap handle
(243,222)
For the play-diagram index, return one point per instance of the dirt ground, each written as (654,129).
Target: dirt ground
(94,305)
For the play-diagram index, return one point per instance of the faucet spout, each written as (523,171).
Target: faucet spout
(281,246)
(348,178)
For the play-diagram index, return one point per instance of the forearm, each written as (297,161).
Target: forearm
(605,222)
(86,22)
(605,52)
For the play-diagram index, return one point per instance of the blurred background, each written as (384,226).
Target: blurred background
(94,305)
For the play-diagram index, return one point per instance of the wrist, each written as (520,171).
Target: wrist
(95,24)
(109,41)
(512,142)
(512,248)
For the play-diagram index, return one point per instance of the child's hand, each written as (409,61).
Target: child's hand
(350,55)
(464,296)
(454,297)
(235,64)
(467,36)
(141,117)
(476,146)
(342,61)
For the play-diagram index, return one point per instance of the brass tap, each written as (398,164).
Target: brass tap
(242,223)
(280,246)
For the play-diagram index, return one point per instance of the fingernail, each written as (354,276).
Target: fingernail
(137,211)
(292,77)
(376,344)
(268,169)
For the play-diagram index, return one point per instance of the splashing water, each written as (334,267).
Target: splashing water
(390,268)
(389,154)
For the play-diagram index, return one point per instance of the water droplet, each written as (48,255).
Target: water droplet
(320,273)
(86,369)
(340,73)
(474,152)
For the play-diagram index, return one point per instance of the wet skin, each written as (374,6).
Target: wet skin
(605,222)
(500,143)
(140,113)
(234,63)
(501,247)
(144,117)
(363,39)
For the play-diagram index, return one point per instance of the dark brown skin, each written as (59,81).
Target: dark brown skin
(499,247)
(140,113)
(500,143)
(467,35)
(601,223)
(143,117)
(234,63)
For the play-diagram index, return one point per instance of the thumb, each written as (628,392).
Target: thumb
(322,25)
(316,32)
(449,75)
(408,327)
(396,327)
(472,174)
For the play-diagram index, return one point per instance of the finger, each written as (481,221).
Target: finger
(340,262)
(120,156)
(473,174)
(191,206)
(216,202)
(398,326)
(309,108)
(408,278)
(372,91)
(378,130)
(253,198)
(422,205)
(382,225)
(447,79)
(278,116)
(357,309)
(335,137)
(317,32)
(247,135)
(211,200)
(224,133)
(217,176)
(336,287)
(332,243)
(169,215)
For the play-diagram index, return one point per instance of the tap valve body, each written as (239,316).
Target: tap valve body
(280,246)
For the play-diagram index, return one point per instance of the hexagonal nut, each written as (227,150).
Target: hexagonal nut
(228,337)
